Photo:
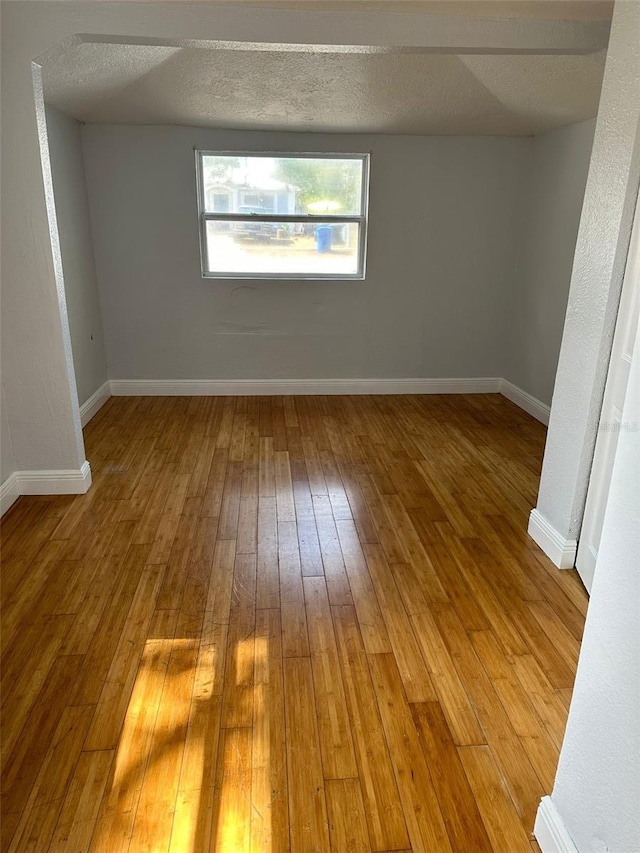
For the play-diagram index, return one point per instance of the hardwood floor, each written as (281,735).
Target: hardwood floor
(306,624)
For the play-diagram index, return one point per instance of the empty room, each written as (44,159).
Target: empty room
(319,426)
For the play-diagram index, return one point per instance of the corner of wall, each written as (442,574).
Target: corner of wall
(550,831)
(8,483)
(77,253)
(561,551)
(55,482)
(553,193)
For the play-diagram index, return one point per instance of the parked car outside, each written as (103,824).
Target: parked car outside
(262,231)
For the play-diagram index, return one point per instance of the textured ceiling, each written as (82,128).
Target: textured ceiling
(375,93)
(561,10)
(537,74)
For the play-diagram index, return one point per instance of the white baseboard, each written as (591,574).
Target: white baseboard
(537,409)
(9,493)
(550,831)
(95,402)
(561,551)
(78,481)
(251,387)
(56,482)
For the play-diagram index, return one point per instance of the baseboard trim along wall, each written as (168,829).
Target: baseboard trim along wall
(9,493)
(540,411)
(561,551)
(549,829)
(77,482)
(55,482)
(252,387)
(95,402)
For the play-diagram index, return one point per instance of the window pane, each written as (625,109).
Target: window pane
(282,248)
(282,185)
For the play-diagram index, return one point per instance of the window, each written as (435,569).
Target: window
(282,215)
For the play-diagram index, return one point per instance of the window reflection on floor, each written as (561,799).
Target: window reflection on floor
(165,792)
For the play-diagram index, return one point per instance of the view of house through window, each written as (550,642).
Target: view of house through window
(293,216)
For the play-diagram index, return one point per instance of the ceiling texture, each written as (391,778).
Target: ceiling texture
(394,91)
(559,10)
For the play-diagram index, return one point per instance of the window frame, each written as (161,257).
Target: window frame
(360,219)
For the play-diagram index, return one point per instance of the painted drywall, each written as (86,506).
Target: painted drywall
(596,280)
(597,787)
(38,379)
(442,240)
(557,175)
(76,247)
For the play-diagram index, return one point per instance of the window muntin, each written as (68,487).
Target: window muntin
(283,215)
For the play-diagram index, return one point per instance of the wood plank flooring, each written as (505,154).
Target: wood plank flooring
(286,623)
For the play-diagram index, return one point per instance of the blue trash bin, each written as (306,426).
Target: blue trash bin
(323,238)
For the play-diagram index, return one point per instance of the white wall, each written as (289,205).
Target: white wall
(597,787)
(596,280)
(443,230)
(557,174)
(76,247)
